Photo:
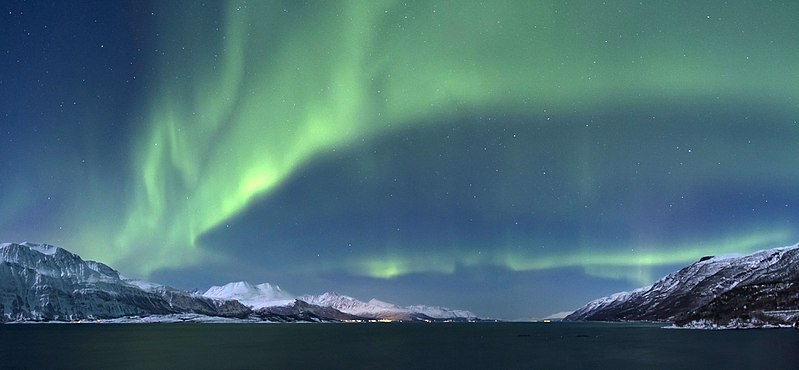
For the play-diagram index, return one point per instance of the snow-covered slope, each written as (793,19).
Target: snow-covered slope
(437,312)
(694,286)
(42,282)
(267,296)
(253,296)
(383,310)
(351,305)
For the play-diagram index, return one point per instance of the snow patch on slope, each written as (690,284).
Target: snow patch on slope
(42,248)
(40,282)
(254,296)
(693,286)
(377,308)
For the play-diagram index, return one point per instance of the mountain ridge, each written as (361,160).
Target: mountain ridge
(42,282)
(692,295)
(267,297)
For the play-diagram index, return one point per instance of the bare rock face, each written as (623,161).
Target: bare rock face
(712,291)
(40,282)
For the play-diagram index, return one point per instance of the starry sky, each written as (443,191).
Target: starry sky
(514,158)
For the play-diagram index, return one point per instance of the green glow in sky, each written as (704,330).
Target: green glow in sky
(602,261)
(243,104)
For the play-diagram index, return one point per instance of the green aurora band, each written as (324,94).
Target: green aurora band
(626,264)
(271,86)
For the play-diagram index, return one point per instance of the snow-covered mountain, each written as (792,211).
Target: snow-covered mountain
(42,282)
(253,296)
(383,310)
(438,312)
(695,290)
(269,300)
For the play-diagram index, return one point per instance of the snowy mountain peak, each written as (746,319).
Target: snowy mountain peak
(381,309)
(351,305)
(694,286)
(333,296)
(42,248)
(37,249)
(31,249)
(254,296)
(379,303)
(238,287)
(42,282)
(442,312)
(53,261)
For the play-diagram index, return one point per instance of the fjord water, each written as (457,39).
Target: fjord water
(393,345)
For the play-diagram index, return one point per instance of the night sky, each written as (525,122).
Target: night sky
(514,158)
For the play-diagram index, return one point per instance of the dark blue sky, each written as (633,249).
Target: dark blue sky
(515,159)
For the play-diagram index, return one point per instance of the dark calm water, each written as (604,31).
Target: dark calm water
(393,346)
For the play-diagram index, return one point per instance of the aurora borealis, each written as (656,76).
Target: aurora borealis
(515,158)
